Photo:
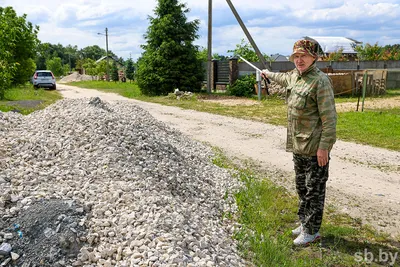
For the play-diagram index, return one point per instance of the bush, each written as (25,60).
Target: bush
(244,86)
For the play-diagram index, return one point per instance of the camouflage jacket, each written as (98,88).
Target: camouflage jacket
(311,110)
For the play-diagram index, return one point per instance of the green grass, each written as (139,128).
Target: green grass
(377,128)
(26,92)
(392,92)
(267,213)
(271,110)
(130,90)
(389,93)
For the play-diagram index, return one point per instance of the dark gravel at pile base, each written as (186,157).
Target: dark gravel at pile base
(52,233)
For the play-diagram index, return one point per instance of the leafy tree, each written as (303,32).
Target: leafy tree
(245,50)
(90,66)
(391,52)
(18,42)
(26,69)
(101,68)
(169,59)
(43,53)
(66,69)
(202,55)
(336,56)
(47,51)
(94,52)
(6,73)
(219,57)
(130,69)
(55,66)
(69,55)
(369,52)
(114,72)
(6,68)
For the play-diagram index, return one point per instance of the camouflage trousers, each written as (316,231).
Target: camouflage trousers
(310,186)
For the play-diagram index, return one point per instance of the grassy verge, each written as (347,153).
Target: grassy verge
(26,100)
(267,213)
(130,90)
(376,128)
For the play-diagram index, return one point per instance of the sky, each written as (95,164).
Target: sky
(274,25)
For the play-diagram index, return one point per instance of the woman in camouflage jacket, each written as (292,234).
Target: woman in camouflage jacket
(311,133)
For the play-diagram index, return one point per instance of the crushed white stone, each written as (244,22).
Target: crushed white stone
(154,196)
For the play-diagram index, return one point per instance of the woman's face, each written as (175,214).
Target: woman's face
(303,61)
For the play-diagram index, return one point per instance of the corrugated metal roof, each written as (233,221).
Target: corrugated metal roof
(333,44)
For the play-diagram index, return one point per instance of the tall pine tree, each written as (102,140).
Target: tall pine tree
(169,59)
(114,72)
(130,70)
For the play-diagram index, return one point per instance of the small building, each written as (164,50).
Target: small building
(332,44)
(120,66)
(278,58)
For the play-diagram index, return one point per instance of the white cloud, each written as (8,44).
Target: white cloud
(350,11)
(275,25)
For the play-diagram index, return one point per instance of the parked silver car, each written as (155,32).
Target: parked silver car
(44,78)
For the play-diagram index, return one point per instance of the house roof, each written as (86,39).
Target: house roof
(110,57)
(279,57)
(330,44)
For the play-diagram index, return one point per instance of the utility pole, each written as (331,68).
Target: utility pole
(108,73)
(209,47)
(107,70)
(253,44)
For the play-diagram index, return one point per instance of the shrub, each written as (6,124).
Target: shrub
(244,86)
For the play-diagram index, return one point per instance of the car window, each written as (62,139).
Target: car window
(43,74)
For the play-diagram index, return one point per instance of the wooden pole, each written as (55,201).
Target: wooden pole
(108,72)
(364,89)
(253,44)
(209,47)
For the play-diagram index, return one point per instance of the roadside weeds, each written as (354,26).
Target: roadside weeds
(267,213)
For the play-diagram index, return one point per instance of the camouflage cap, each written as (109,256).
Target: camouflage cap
(305,47)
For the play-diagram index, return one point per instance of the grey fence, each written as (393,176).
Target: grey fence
(226,72)
(335,65)
(392,67)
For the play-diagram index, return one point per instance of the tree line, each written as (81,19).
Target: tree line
(169,60)
(21,53)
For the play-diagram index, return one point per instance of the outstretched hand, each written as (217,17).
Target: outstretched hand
(264,73)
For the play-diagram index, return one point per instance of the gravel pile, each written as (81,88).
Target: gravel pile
(138,193)
(76,77)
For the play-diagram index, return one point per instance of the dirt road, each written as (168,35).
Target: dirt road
(364,181)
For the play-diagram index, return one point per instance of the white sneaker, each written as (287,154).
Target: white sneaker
(304,239)
(298,230)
